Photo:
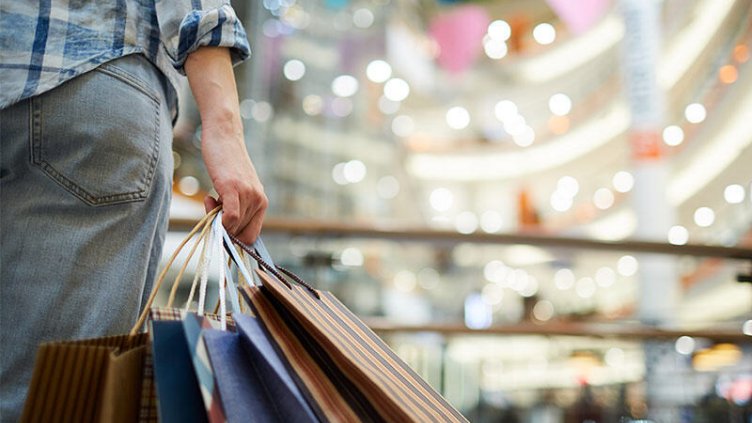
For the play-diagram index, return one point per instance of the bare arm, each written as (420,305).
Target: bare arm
(209,71)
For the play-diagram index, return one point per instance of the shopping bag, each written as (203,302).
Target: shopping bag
(99,380)
(153,407)
(330,393)
(272,369)
(177,386)
(251,378)
(96,380)
(245,391)
(93,380)
(198,378)
(353,358)
(194,329)
(186,330)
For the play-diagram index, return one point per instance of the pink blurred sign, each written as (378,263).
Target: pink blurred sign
(579,15)
(459,34)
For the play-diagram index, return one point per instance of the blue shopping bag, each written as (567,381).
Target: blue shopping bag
(177,386)
(251,378)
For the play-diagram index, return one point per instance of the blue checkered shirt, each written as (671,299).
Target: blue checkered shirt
(45,43)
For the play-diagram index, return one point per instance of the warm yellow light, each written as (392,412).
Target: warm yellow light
(741,53)
(728,74)
(558,124)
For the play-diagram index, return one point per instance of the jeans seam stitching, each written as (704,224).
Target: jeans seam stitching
(129,79)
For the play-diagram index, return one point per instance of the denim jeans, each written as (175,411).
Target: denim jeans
(85,185)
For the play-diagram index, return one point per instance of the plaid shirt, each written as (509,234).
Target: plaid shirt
(45,43)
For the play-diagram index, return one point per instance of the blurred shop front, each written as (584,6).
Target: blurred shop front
(543,206)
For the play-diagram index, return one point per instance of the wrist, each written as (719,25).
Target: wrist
(222,119)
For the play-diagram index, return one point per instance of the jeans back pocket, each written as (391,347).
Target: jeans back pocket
(97,135)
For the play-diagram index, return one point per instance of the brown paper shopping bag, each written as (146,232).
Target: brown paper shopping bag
(106,379)
(96,380)
(347,369)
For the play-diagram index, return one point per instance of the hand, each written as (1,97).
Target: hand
(235,180)
(241,194)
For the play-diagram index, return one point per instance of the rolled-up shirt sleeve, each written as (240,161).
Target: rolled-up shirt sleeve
(186,25)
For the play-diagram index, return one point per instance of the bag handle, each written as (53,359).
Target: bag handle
(216,255)
(201,225)
(258,251)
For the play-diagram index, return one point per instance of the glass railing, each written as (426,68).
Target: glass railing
(516,327)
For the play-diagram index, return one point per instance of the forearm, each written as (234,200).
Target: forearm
(212,82)
(241,194)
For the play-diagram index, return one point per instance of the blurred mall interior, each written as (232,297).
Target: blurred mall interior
(543,206)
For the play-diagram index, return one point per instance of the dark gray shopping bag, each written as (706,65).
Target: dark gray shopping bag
(251,377)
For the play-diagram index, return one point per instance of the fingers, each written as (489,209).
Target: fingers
(232,215)
(242,212)
(249,234)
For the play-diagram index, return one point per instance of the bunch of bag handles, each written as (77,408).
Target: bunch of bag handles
(214,236)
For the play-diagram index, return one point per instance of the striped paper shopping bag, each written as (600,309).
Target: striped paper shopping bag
(349,372)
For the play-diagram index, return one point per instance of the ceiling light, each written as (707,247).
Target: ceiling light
(560,104)
(458,117)
(543,310)
(564,279)
(466,222)
(678,235)
(294,69)
(387,187)
(568,186)
(560,201)
(363,18)
(673,135)
(504,110)
(495,49)
(189,185)
(345,86)
(351,256)
(685,345)
(403,126)
(734,194)
(524,138)
(747,328)
(623,181)
(499,30)
(603,198)
(495,271)
(695,113)
(354,171)
(627,266)
(704,217)
(262,111)
(441,199)
(396,89)
(491,221)
(544,33)
(378,71)
(312,105)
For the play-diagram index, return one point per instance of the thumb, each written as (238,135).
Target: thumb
(210,203)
